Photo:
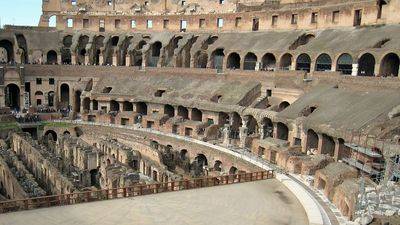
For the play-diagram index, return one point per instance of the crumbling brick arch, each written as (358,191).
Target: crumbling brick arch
(169,110)
(200,59)
(8,46)
(66,49)
(344,64)
(81,49)
(218,166)
(282,131)
(141,108)
(251,124)
(283,105)
(197,115)
(86,104)
(250,61)
(183,112)
(389,65)
(114,106)
(64,96)
(267,126)
(233,61)
(366,65)
(155,53)
(51,134)
(233,170)
(98,48)
(268,62)
(127,106)
(328,145)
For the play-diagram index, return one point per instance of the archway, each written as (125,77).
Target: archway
(77,105)
(267,127)
(328,145)
(323,63)
(312,140)
(12,96)
(141,108)
(64,89)
(197,115)
(283,105)
(268,62)
(286,62)
(52,21)
(233,61)
(223,118)
(86,104)
(50,98)
(217,58)
(8,46)
(201,59)
(127,106)
(183,154)
(201,160)
(183,112)
(233,170)
(51,57)
(114,106)
(218,166)
(51,134)
(345,64)
(282,131)
(155,54)
(250,61)
(303,62)
(366,65)
(252,125)
(169,110)
(39,98)
(390,65)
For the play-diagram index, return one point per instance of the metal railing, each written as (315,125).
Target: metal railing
(133,191)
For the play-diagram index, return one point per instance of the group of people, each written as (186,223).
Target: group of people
(46,109)
(27,118)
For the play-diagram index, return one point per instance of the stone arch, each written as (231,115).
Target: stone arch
(366,65)
(345,64)
(323,63)
(250,61)
(51,57)
(169,110)
(183,112)
(303,62)
(39,98)
(141,108)
(283,105)
(127,106)
(52,21)
(9,48)
(233,170)
(236,121)
(86,104)
(64,97)
(312,140)
(233,61)
(197,115)
(201,159)
(12,96)
(268,62)
(223,118)
(217,58)
(267,127)
(114,106)
(22,44)
(389,65)
(155,54)
(81,50)
(200,59)
(328,145)
(77,105)
(183,154)
(218,166)
(252,125)
(50,98)
(282,131)
(301,40)
(286,61)
(51,134)
(98,46)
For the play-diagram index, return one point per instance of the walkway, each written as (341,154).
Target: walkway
(266,202)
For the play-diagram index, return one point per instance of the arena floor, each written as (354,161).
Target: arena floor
(264,202)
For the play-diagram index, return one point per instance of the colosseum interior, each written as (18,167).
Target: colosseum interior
(296,100)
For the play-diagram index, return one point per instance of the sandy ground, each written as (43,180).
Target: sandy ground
(263,202)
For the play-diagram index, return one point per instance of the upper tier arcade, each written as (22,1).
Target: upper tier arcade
(215,15)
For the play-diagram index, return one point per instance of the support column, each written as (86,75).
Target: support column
(128,60)
(101,59)
(226,135)
(59,60)
(114,59)
(91,105)
(258,66)
(261,130)
(73,59)
(377,69)
(320,144)
(243,132)
(354,70)
(86,59)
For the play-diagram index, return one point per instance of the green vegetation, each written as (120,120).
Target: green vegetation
(55,124)
(9,126)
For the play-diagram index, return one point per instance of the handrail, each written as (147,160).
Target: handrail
(132,191)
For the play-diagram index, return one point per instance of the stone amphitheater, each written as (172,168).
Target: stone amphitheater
(109,108)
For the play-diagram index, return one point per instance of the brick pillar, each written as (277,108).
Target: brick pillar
(128,60)
(101,59)
(86,59)
(114,59)
(320,143)
(73,59)
(354,70)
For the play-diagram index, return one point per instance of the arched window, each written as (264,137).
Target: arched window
(64,95)
(345,64)
(303,62)
(323,63)
(233,61)
(53,21)
(250,61)
(201,59)
(390,65)
(197,115)
(366,65)
(155,54)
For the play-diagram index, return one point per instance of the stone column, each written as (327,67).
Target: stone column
(73,59)
(261,130)
(59,60)
(226,132)
(86,59)
(258,66)
(320,144)
(91,105)
(114,59)
(101,59)
(128,60)
(377,69)
(243,132)
(121,106)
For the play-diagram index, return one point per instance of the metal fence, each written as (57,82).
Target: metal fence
(133,191)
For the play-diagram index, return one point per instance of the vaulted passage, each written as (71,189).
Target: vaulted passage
(8,49)
(64,89)
(268,62)
(282,131)
(217,58)
(52,57)
(155,54)
(200,60)
(286,61)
